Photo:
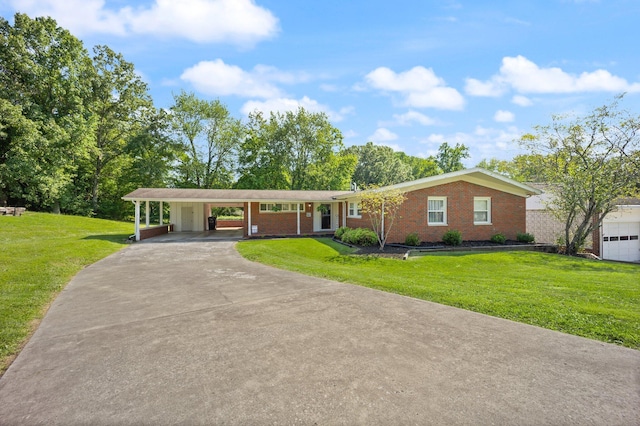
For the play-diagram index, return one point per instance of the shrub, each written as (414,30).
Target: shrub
(412,240)
(452,238)
(498,239)
(360,237)
(525,237)
(340,232)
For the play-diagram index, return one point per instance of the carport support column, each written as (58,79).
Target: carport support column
(146,213)
(249,218)
(161,220)
(298,217)
(137,220)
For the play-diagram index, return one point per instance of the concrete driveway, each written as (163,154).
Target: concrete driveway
(188,332)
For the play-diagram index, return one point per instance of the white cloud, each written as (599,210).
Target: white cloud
(504,116)
(419,86)
(483,142)
(219,79)
(522,101)
(382,135)
(491,88)
(408,118)
(205,21)
(282,105)
(524,76)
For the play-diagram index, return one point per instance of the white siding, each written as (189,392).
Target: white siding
(199,221)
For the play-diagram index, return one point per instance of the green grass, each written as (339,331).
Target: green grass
(39,254)
(598,300)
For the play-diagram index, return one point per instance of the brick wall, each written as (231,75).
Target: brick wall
(278,223)
(544,227)
(508,214)
(547,229)
(154,231)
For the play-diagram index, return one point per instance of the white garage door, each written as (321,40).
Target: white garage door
(620,241)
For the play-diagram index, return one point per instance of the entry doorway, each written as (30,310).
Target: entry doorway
(325,217)
(186,219)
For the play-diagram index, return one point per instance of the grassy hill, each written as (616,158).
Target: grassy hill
(39,256)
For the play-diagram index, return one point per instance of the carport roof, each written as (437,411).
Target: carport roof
(228,195)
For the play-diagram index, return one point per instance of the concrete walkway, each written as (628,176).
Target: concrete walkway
(188,332)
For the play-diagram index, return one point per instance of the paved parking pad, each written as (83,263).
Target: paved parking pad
(188,332)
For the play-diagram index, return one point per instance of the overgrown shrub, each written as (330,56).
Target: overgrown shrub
(340,232)
(525,237)
(499,239)
(412,239)
(452,238)
(360,237)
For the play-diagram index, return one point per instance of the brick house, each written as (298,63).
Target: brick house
(476,202)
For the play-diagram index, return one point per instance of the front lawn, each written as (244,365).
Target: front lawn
(599,300)
(40,254)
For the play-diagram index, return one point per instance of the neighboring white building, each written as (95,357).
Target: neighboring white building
(616,239)
(619,234)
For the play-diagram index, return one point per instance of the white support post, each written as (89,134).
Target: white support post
(298,216)
(249,218)
(161,213)
(137,220)
(146,213)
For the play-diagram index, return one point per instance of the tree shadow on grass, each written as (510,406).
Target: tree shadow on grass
(113,238)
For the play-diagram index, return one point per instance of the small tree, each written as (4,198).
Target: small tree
(590,162)
(382,206)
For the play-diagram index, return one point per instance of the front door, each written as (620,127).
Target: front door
(187,219)
(325,214)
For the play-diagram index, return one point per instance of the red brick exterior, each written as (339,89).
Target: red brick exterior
(278,223)
(154,231)
(508,214)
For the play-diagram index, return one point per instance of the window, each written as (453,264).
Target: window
(280,207)
(355,210)
(481,210)
(437,211)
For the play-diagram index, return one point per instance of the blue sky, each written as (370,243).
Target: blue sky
(407,74)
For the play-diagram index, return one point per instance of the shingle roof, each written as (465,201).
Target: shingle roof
(228,195)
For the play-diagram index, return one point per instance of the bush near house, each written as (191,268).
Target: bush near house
(452,238)
(525,237)
(360,237)
(498,239)
(412,239)
(340,232)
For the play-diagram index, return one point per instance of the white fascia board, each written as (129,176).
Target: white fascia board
(476,176)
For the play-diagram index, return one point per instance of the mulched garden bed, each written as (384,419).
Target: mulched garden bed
(399,250)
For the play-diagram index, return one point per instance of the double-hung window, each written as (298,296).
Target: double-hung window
(481,210)
(437,210)
(355,210)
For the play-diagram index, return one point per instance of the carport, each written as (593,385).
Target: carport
(266,212)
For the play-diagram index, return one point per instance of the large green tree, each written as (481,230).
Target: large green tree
(46,72)
(420,167)
(590,161)
(210,137)
(523,167)
(378,165)
(294,150)
(449,158)
(120,107)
